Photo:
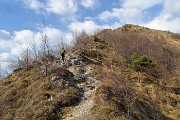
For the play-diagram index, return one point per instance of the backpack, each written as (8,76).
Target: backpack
(62,51)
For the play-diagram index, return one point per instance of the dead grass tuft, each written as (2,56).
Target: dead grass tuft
(70,96)
(26,95)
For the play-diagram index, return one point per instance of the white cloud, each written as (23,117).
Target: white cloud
(6,45)
(88,26)
(55,36)
(134,11)
(68,37)
(62,7)
(5,40)
(4,35)
(3,68)
(17,49)
(34,4)
(127,15)
(162,24)
(4,57)
(22,40)
(131,11)
(171,8)
(169,18)
(116,25)
(88,3)
(23,36)
(140,4)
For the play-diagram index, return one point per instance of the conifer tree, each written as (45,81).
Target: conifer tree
(140,63)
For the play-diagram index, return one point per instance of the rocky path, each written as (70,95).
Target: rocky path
(82,111)
(88,87)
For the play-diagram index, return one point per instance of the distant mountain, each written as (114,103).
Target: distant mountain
(97,82)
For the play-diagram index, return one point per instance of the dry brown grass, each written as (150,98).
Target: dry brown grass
(26,95)
(116,99)
(121,95)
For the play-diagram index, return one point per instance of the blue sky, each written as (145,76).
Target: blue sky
(21,20)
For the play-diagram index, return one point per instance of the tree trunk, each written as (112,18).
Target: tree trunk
(27,59)
(139,77)
(46,69)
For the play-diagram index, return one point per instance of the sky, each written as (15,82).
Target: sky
(21,20)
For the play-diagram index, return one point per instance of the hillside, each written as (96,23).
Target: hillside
(96,81)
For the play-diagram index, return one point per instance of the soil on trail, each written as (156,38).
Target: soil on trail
(87,88)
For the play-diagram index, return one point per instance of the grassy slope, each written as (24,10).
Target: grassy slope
(25,93)
(122,97)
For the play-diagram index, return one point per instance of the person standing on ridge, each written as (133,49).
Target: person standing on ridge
(62,52)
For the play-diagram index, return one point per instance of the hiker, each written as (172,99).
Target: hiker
(62,52)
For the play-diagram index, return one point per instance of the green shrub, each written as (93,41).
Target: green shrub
(140,63)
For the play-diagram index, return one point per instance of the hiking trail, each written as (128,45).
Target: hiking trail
(81,111)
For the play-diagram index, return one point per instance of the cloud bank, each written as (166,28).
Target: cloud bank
(169,18)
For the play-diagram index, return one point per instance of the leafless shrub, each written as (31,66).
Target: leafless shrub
(126,43)
(34,50)
(81,38)
(97,31)
(25,60)
(176,36)
(114,91)
(1,76)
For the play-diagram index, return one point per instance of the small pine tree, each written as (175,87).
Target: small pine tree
(140,63)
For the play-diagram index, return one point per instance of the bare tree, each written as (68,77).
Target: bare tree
(45,41)
(80,38)
(27,57)
(34,50)
(30,55)
(0,72)
(45,44)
